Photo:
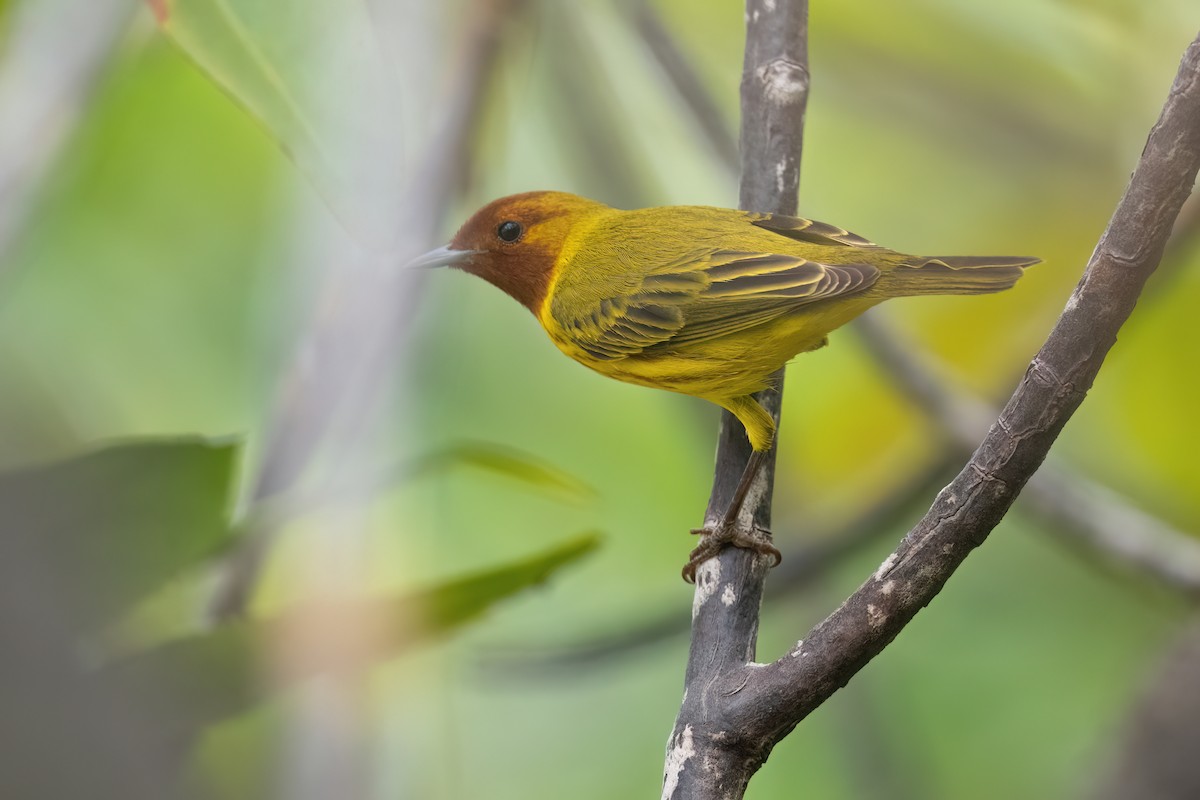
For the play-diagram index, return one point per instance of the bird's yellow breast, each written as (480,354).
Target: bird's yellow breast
(720,369)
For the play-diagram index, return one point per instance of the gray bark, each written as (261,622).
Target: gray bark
(734,710)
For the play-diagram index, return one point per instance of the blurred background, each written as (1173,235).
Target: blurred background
(282,521)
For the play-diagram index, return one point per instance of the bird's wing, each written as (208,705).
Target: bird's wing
(810,231)
(702,296)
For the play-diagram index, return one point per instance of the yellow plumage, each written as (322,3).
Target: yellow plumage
(711,302)
(708,302)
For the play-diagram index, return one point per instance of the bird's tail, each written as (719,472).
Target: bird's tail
(958,274)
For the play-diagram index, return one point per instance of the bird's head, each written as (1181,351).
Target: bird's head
(514,242)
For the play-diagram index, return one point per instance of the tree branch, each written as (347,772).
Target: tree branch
(822,549)
(1083,512)
(734,711)
(774,95)
(1079,510)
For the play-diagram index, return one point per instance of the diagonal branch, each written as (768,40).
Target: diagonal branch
(1053,387)
(734,713)
(687,82)
(1088,514)
(1079,510)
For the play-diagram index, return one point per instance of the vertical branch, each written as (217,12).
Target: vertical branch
(733,715)
(774,97)
(735,711)
(1075,508)
(703,758)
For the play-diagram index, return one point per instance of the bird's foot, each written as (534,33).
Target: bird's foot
(716,537)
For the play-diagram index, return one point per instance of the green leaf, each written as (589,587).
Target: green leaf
(313,74)
(111,526)
(461,600)
(524,468)
(513,464)
(201,680)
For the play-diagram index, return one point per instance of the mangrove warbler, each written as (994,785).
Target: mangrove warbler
(708,302)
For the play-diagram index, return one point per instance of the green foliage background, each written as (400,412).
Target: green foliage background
(153,293)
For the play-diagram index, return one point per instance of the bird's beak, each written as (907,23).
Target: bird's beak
(441,257)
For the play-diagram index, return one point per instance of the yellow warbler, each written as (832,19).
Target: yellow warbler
(709,302)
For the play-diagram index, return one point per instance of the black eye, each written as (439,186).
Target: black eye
(509,231)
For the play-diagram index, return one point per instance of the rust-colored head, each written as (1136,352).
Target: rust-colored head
(513,242)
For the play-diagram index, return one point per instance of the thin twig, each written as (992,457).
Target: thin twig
(1076,508)
(687,82)
(588,107)
(736,711)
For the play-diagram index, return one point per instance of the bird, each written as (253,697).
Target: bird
(704,301)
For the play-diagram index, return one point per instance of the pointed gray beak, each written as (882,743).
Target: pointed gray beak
(441,257)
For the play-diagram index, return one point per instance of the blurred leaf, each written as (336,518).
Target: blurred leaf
(519,466)
(313,74)
(275,512)
(32,420)
(204,679)
(112,526)
(458,601)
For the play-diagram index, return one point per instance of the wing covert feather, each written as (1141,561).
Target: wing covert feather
(811,231)
(704,295)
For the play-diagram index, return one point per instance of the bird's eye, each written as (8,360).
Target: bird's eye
(509,231)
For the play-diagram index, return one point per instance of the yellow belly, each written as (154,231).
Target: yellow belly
(728,367)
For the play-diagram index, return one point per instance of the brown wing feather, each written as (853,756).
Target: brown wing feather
(809,230)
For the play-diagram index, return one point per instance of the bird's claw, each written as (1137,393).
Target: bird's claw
(715,538)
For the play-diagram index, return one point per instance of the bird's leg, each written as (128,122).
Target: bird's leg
(727,530)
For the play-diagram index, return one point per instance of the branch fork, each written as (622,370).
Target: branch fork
(734,710)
